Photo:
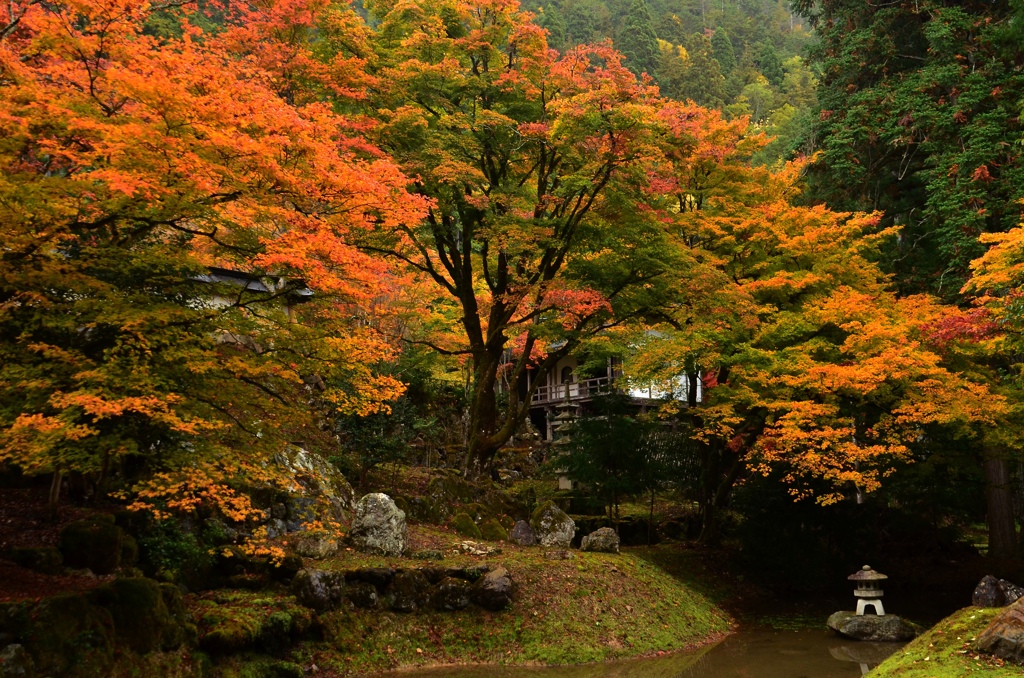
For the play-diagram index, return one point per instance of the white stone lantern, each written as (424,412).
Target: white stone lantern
(869,590)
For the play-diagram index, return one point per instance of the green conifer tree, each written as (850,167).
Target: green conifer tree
(724,53)
(704,83)
(770,65)
(550,19)
(637,40)
(580,22)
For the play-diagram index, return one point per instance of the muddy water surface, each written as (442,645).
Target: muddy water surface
(746,654)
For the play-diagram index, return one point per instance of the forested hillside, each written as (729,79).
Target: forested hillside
(745,57)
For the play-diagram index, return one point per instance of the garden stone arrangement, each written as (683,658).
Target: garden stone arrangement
(405,589)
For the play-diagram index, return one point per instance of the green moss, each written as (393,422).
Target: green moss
(66,635)
(945,651)
(539,511)
(230,621)
(95,543)
(491,530)
(140,614)
(465,526)
(596,607)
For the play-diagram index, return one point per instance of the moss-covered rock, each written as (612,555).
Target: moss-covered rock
(492,530)
(552,525)
(142,618)
(231,621)
(319,590)
(945,651)
(81,634)
(465,526)
(475,511)
(451,594)
(95,543)
(45,560)
(66,635)
(408,591)
(363,595)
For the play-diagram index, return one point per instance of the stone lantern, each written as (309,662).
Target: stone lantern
(869,590)
(568,413)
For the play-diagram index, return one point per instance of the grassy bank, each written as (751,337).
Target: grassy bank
(944,651)
(590,608)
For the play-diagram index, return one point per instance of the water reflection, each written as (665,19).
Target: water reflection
(747,654)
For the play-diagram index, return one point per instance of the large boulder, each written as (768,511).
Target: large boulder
(552,526)
(319,590)
(320,480)
(494,590)
(1004,636)
(96,543)
(992,592)
(523,534)
(408,591)
(379,526)
(603,540)
(451,594)
(887,628)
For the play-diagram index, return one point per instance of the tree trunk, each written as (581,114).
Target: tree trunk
(54,498)
(1002,533)
(483,414)
(719,499)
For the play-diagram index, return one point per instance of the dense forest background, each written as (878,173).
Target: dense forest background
(746,57)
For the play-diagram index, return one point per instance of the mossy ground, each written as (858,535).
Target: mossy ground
(944,651)
(590,608)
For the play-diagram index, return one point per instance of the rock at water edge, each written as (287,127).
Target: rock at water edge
(603,540)
(379,526)
(887,628)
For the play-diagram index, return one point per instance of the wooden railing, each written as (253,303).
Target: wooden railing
(577,390)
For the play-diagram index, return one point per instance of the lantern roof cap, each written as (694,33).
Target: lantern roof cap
(866,574)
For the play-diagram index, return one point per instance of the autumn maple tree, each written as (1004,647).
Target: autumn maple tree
(129,166)
(534,167)
(810,362)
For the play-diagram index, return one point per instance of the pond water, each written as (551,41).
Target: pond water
(745,654)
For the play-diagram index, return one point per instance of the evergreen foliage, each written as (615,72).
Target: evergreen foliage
(637,41)
(724,54)
(703,83)
(550,19)
(770,64)
(921,119)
